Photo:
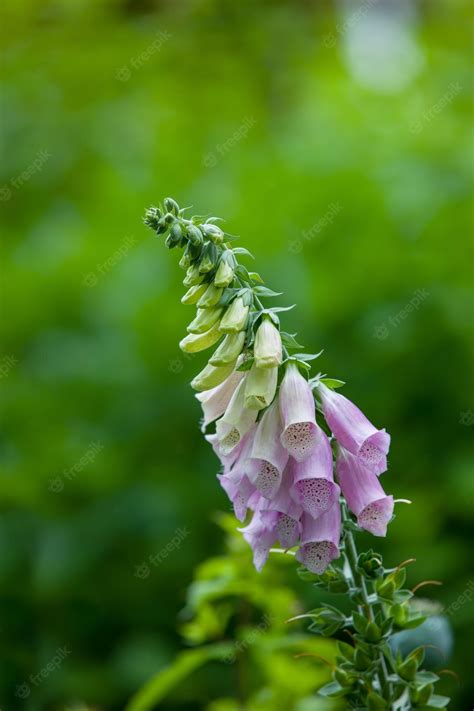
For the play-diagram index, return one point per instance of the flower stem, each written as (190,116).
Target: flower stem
(366,609)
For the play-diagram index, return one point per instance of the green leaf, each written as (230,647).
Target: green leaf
(426,677)
(307,356)
(413,622)
(359,622)
(256,277)
(278,309)
(288,340)
(164,681)
(242,250)
(375,702)
(332,383)
(333,690)
(438,702)
(265,291)
(346,650)
(242,273)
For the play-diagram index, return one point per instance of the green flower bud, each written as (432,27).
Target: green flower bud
(210,377)
(195,342)
(162,226)
(373,633)
(343,678)
(171,205)
(169,218)
(214,232)
(267,347)
(421,695)
(205,318)
(185,261)
(175,235)
(193,294)
(210,298)
(229,350)
(192,276)
(361,660)
(375,702)
(235,318)
(399,613)
(152,216)
(225,271)
(260,387)
(208,258)
(194,234)
(408,669)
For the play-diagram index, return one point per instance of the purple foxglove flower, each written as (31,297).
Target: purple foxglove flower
(353,430)
(364,494)
(239,492)
(268,457)
(234,480)
(260,534)
(236,421)
(287,526)
(267,347)
(214,402)
(320,539)
(261,387)
(195,342)
(239,453)
(313,482)
(300,431)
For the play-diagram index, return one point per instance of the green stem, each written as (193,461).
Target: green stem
(367,608)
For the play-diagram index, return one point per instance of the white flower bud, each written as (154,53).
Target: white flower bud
(205,318)
(260,387)
(235,318)
(267,347)
(229,349)
(195,342)
(210,297)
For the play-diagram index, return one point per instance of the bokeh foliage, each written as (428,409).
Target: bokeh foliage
(263,113)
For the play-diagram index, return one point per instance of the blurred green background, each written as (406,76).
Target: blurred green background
(336,140)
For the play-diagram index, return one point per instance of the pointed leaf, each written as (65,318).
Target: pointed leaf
(242,250)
